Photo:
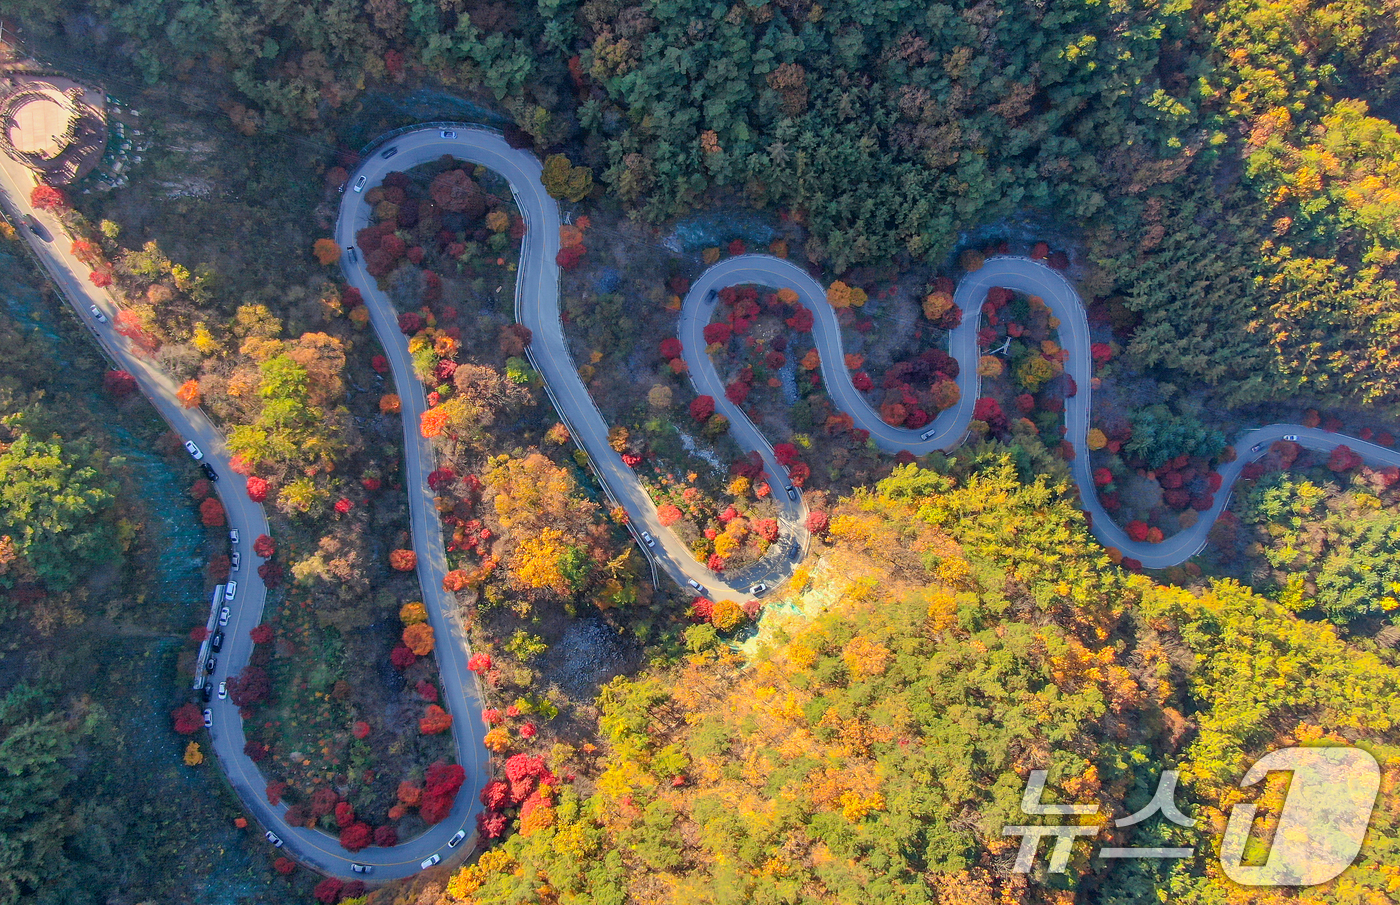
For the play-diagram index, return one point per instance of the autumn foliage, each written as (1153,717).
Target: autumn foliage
(403,560)
(435,720)
(188,394)
(419,638)
(264,546)
(211,513)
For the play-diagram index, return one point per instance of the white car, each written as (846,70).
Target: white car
(97,313)
(453,842)
(696,585)
(229,590)
(448,133)
(360,183)
(193,450)
(234,559)
(759,589)
(928,434)
(791,492)
(270,836)
(430,861)
(224,615)
(208,719)
(648,539)
(223,690)
(1293,437)
(361,868)
(233,536)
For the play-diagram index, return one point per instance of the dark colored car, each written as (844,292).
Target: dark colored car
(209,471)
(216,643)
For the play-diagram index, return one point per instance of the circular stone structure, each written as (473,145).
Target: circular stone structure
(40,122)
(54,126)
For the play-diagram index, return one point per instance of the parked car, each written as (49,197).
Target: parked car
(234,559)
(1293,437)
(210,664)
(351,254)
(223,690)
(453,842)
(360,183)
(216,643)
(97,313)
(759,589)
(448,133)
(209,471)
(928,434)
(648,539)
(224,615)
(390,152)
(208,719)
(430,861)
(193,450)
(791,492)
(233,536)
(696,585)
(229,590)
(361,868)
(204,693)
(272,837)
(711,296)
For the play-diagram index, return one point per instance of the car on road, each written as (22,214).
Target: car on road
(209,471)
(234,559)
(97,313)
(272,837)
(229,590)
(224,615)
(648,539)
(204,693)
(34,225)
(455,840)
(696,585)
(351,253)
(759,589)
(447,133)
(216,643)
(711,296)
(208,719)
(223,690)
(791,492)
(1293,437)
(390,152)
(928,434)
(360,183)
(193,450)
(430,861)
(210,664)
(1256,447)
(233,536)
(361,868)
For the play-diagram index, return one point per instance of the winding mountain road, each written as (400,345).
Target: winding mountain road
(537,306)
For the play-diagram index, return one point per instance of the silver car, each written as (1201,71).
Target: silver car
(430,861)
(97,313)
(193,450)
(230,589)
(224,615)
